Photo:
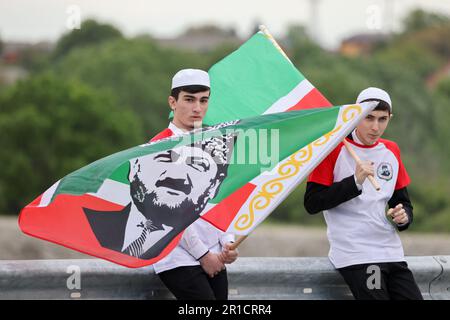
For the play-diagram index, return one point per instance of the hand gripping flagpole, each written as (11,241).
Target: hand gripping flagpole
(358,161)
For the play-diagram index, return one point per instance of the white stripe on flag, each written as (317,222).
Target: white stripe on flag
(292,98)
(114,191)
(48,194)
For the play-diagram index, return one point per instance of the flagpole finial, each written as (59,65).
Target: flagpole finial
(269,36)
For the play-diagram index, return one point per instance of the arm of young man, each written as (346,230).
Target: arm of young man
(319,197)
(323,193)
(228,255)
(210,262)
(401,209)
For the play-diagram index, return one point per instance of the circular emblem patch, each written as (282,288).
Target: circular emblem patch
(384,171)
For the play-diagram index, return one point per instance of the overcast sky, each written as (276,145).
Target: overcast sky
(41,20)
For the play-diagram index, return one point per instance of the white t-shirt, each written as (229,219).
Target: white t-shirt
(358,230)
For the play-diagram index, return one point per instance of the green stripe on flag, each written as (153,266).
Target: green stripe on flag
(121,174)
(293,134)
(295,130)
(256,76)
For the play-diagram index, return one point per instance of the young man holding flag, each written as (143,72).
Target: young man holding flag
(364,246)
(195,269)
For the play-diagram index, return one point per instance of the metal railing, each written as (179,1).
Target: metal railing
(249,278)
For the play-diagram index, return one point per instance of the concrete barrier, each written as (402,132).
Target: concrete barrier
(249,278)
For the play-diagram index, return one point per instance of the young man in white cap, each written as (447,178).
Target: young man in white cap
(364,245)
(195,269)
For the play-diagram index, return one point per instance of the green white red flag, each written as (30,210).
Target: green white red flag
(260,77)
(132,207)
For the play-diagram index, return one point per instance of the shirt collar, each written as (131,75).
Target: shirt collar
(176,131)
(355,137)
(357,142)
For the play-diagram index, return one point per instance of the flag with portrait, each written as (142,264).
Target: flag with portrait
(131,207)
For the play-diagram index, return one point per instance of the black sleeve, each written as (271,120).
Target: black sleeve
(319,197)
(402,196)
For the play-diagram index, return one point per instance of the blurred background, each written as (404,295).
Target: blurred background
(82,80)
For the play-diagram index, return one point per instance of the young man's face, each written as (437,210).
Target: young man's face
(190,109)
(372,127)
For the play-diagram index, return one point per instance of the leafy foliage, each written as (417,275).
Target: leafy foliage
(52,127)
(137,72)
(90,32)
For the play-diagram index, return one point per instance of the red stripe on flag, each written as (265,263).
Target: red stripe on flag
(224,212)
(314,99)
(36,201)
(64,222)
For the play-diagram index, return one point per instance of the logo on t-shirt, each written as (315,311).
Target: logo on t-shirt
(385,171)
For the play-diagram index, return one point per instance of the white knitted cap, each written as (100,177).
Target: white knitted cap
(189,77)
(374,93)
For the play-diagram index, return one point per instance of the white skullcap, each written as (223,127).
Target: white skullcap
(374,93)
(189,77)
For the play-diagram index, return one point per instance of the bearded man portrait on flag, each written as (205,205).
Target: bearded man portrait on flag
(168,191)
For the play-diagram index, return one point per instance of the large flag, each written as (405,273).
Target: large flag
(132,207)
(260,77)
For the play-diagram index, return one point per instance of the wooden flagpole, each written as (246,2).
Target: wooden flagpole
(352,152)
(239,240)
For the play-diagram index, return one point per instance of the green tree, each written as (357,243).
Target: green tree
(420,19)
(35,60)
(91,32)
(300,47)
(443,88)
(52,127)
(410,54)
(138,72)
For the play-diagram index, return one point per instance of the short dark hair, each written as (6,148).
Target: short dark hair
(381,106)
(190,89)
